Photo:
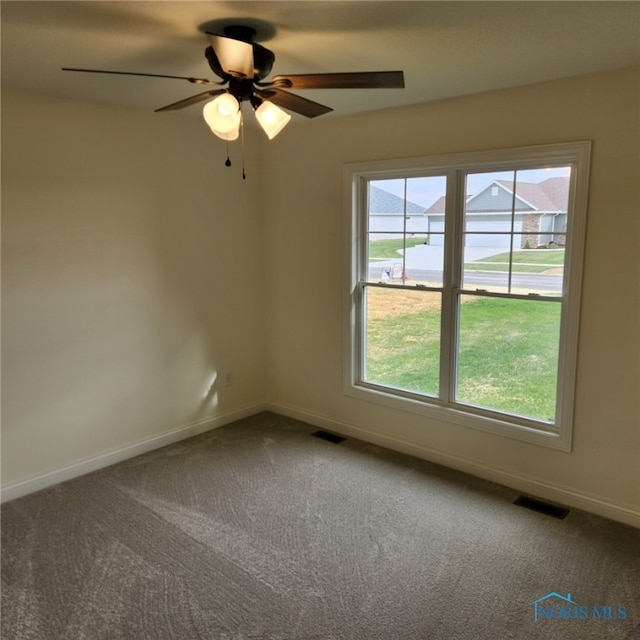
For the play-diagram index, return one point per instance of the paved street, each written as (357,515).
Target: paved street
(424,263)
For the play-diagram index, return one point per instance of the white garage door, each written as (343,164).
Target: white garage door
(481,233)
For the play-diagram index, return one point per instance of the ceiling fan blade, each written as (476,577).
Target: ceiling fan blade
(356,80)
(147,75)
(235,56)
(293,102)
(187,102)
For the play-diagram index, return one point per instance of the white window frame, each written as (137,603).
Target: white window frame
(356,177)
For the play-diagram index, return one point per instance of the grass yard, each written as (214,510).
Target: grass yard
(525,261)
(403,339)
(390,248)
(507,349)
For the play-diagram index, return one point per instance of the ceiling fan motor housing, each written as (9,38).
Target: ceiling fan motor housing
(241,89)
(263,58)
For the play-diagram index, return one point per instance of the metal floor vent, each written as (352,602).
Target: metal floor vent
(541,507)
(329,437)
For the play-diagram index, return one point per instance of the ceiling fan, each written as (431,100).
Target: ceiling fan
(242,65)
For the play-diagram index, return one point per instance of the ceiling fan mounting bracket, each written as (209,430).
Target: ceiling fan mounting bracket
(240,32)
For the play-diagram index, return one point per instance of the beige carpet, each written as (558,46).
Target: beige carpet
(259,531)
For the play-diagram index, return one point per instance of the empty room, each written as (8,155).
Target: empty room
(320,320)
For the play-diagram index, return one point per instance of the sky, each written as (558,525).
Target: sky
(425,191)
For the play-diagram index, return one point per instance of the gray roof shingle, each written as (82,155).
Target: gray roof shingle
(551,194)
(381,201)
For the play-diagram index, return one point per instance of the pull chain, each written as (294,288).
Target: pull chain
(244,175)
(227,162)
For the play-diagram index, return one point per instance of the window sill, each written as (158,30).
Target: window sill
(550,436)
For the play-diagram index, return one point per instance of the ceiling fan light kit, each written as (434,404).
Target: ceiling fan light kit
(223,116)
(271,118)
(242,65)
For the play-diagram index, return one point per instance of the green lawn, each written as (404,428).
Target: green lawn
(390,248)
(507,357)
(526,261)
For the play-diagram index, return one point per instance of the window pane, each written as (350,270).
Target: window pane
(406,230)
(429,194)
(514,230)
(386,257)
(387,207)
(402,339)
(423,262)
(545,193)
(482,271)
(489,230)
(508,355)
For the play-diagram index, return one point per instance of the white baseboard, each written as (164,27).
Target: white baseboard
(560,495)
(24,487)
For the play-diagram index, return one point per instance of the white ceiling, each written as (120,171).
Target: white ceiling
(444,48)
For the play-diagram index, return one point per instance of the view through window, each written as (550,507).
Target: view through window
(461,287)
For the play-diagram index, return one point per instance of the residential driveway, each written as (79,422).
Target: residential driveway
(424,256)
(427,257)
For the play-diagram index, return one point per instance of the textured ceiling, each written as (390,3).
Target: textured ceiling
(444,48)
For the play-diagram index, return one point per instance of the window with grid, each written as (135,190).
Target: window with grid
(464,287)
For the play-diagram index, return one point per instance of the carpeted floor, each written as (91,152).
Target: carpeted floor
(258,531)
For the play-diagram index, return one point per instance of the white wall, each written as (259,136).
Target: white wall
(306,284)
(132,273)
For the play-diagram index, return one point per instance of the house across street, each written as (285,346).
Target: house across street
(536,214)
